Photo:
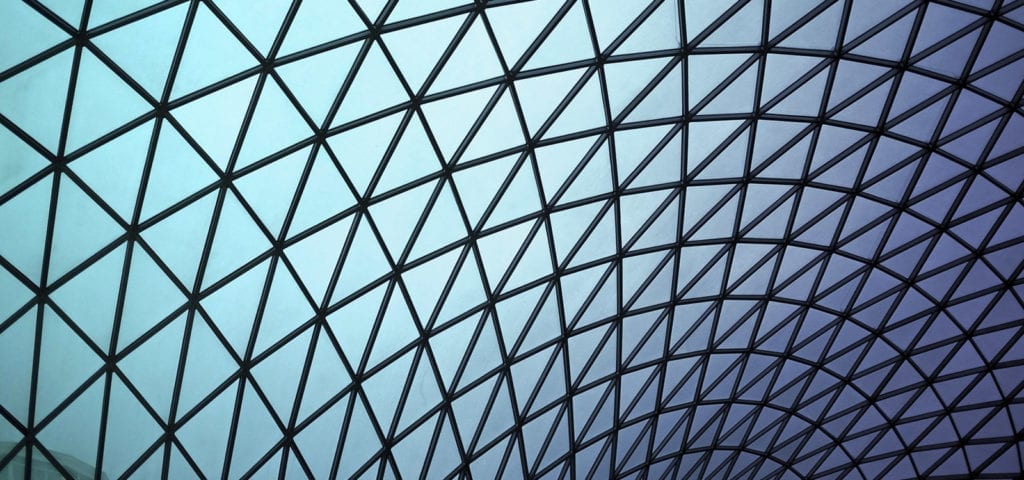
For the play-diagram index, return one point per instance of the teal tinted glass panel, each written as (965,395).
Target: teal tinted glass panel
(511,239)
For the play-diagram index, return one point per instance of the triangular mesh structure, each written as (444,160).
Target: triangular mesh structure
(547,239)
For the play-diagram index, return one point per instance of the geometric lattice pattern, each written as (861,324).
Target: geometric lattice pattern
(549,239)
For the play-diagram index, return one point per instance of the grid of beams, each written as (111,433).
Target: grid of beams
(556,238)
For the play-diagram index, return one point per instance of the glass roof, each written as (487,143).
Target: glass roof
(504,239)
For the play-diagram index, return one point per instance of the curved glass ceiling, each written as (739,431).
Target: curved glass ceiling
(548,239)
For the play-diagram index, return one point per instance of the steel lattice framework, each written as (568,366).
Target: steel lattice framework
(554,238)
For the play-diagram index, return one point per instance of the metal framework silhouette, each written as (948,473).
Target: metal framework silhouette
(859,316)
